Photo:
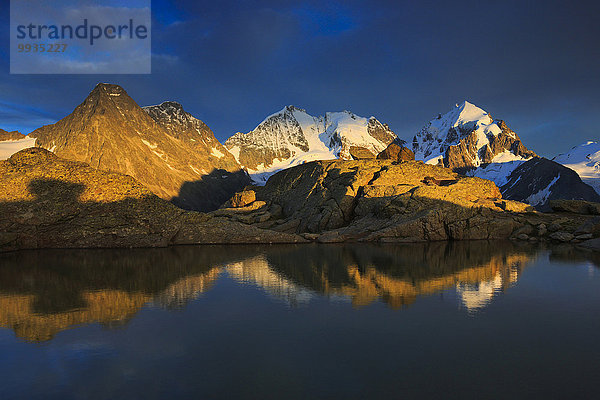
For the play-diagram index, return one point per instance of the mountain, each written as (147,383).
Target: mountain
(585,160)
(468,137)
(12,142)
(173,154)
(540,180)
(10,136)
(292,136)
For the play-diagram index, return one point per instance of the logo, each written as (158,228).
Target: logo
(80,37)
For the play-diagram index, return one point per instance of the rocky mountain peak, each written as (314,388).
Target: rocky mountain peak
(181,124)
(467,137)
(292,136)
(172,153)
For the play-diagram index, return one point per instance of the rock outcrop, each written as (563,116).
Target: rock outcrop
(173,154)
(386,201)
(381,200)
(47,202)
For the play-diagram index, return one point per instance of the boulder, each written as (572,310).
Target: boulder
(360,153)
(241,199)
(575,206)
(396,152)
(562,236)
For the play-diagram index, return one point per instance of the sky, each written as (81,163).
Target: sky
(534,64)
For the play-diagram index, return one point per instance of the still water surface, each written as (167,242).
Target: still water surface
(440,320)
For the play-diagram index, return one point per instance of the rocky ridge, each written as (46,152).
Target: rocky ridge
(385,201)
(13,135)
(48,202)
(468,137)
(164,148)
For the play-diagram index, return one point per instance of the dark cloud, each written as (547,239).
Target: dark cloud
(532,63)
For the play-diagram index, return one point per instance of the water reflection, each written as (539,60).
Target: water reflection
(45,292)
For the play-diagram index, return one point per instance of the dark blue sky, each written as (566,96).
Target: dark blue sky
(533,63)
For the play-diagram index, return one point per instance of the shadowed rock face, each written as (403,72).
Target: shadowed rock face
(14,135)
(538,181)
(163,147)
(48,202)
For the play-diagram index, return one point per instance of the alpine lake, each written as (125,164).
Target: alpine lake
(464,320)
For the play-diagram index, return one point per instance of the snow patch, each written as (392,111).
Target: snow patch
(215,152)
(541,197)
(497,172)
(10,147)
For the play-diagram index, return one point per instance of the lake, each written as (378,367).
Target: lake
(439,320)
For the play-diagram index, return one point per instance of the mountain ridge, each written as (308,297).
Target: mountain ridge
(291,136)
(110,131)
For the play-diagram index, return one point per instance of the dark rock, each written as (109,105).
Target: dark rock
(562,236)
(540,180)
(592,244)
(575,207)
(553,227)
(590,226)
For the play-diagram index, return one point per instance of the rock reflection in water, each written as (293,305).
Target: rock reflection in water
(45,292)
(398,274)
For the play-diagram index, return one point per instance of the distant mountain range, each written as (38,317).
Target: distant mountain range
(178,157)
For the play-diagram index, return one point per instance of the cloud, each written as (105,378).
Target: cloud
(231,63)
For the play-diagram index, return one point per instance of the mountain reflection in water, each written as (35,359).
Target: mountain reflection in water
(45,292)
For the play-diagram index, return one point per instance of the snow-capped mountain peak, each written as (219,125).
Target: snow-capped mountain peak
(292,136)
(467,137)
